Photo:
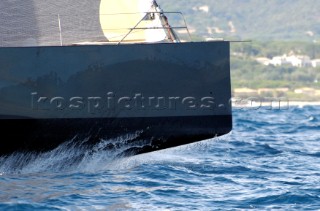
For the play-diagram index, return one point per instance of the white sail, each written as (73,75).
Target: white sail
(124,19)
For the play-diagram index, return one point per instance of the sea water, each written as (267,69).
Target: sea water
(271,160)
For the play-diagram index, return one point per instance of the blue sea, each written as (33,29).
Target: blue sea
(271,160)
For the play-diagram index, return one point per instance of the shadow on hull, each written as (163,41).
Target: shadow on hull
(144,134)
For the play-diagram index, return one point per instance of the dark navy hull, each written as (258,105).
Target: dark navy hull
(148,134)
(164,95)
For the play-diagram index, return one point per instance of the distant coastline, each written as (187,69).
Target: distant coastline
(304,94)
(270,104)
(304,103)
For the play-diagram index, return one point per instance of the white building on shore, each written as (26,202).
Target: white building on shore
(299,61)
(315,63)
(293,60)
(280,60)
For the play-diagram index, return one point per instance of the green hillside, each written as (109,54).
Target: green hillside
(251,19)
